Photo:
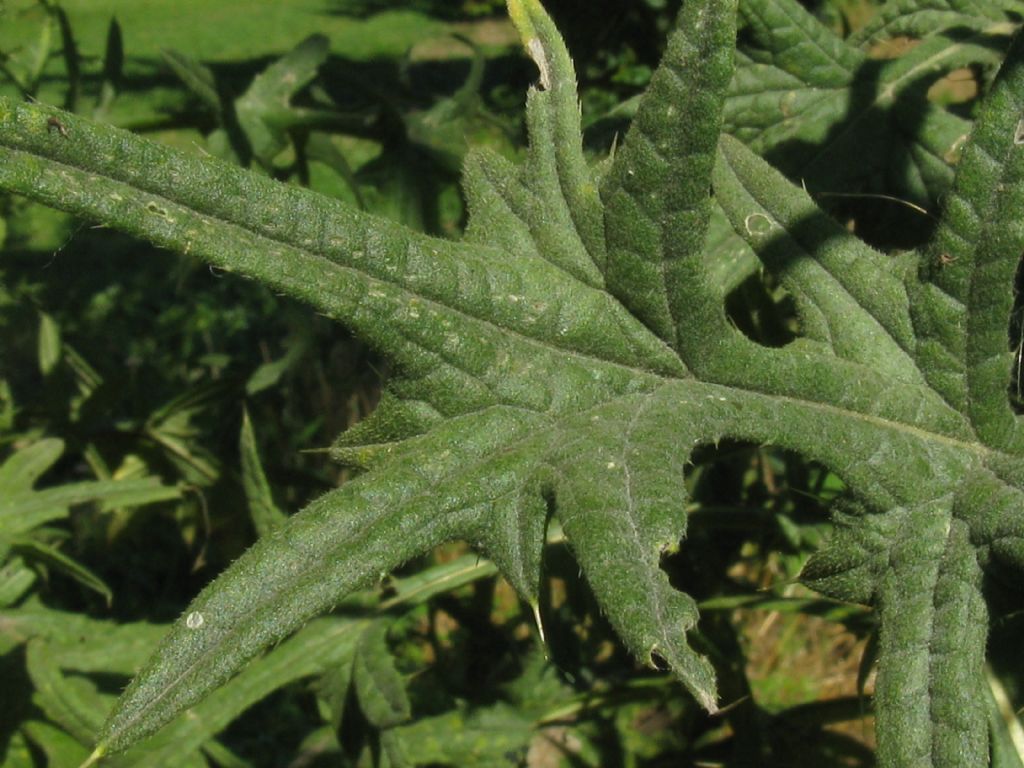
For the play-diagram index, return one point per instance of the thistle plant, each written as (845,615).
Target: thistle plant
(566,357)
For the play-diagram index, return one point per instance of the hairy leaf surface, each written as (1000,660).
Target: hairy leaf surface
(569,355)
(827,111)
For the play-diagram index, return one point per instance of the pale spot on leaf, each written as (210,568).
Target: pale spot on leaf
(758,224)
(536,50)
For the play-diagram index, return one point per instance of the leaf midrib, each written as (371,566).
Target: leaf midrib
(528,341)
(288,586)
(324,261)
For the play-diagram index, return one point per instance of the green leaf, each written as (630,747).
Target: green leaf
(18,754)
(72,59)
(972,262)
(61,749)
(656,197)
(49,344)
(66,650)
(25,68)
(825,112)
(269,374)
(15,578)
(264,110)
(172,427)
(22,508)
(930,599)
(75,641)
(1007,736)
(309,563)
(22,468)
(556,170)
(418,588)
(312,650)
(915,19)
(113,67)
(33,549)
(264,513)
(73,704)
(568,356)
(489,737)
(379,687)
(832,276)
(24,511)
(196,77)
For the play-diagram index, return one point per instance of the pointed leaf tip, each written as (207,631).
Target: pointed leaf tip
(520,12)
(541,39)
(540,624)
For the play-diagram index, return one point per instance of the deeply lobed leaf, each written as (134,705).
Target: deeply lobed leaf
(569,356)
